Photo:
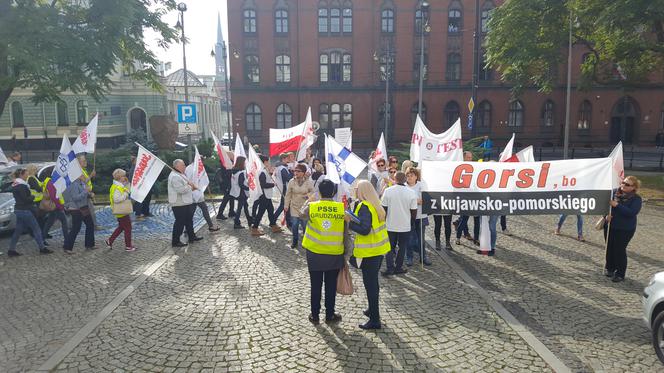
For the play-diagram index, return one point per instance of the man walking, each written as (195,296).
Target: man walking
(182,203)
(400,203)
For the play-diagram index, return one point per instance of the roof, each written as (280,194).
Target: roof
(176,79)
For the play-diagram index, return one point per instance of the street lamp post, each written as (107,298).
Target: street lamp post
(476,66)
(387,59)
(569,89)
(182,7)
(424,10)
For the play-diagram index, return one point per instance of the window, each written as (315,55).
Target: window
(487,9)
(413,112)
(547,114)
(62,114)
(335,67)
(335,116)
(17,115)
(82,112)
(387,21)
(451,113)
(486,73)
(322,20)
(484,115)
(281,21)
(347,20)
(454,18)
(284,116)
(347,119)
(585,115)
(250,21)
(416,65)
(253,118)
(454,66)
(516,114)
(335,20)
(252,71)
(282,64)
(324,116)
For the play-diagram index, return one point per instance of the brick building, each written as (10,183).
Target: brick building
(335,55)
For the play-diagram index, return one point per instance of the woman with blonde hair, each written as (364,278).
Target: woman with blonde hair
(620,227)
(119,193)
(371,243)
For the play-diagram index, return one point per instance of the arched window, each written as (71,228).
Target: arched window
(252,70)
(17,115)
(347,119)
(253,117)
(454,66)
(454,18)
(82,112)
(484,115)
(281,21)
(62,113)
(335,19)
(335,67)
(347,67)
(249,21)
(284,116)
(335,116)
(282,64)
(347,18)
(324,68)
(547,115)
(451,113)
(387,21)
(413,112)
(585,115)
(324,116)
(323,25)
(516,114)
(487,8)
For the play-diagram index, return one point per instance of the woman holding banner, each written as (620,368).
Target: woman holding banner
(119,193)
(620,227)
(239,190)
(421,221)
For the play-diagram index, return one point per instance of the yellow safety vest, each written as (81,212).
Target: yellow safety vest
(37,194)
(89,181)
(112,191)
(325,229)
(376,242)
(61,199)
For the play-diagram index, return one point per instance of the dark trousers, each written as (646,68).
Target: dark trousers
(462,228)
(77,219)
(437,224)
(206,213)
(184,220)
(50,219)
(227,200)
(616,252)
(254,207)
(242,205)
(370,267)
(317,278)
(124,225)
(264,204)
(143,208)
(503,222)
(279,209)
(399,239)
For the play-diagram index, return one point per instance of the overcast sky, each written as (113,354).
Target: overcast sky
(200,27)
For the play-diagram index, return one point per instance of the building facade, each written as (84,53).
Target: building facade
(337,55)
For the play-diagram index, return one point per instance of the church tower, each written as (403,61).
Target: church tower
(220,57)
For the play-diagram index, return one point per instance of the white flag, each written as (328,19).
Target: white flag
(308,137)
(344,136)
(379,153)
(507,152)
(254,168)
(222,153)
(66,169)
(485,234)
(526,154)
(87,139)
(196,173)
(618,165)
(239,148)
(3,158)
(346,166)
(427,146)
(148,167)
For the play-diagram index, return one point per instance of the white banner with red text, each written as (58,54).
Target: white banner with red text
(579,186)
(148,167)
(428,146)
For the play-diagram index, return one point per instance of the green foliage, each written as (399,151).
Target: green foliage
(55,46)
(106,163)
(528,38)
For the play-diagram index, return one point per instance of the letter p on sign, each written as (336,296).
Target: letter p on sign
(187,119)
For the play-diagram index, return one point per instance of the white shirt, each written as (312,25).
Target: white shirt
(399,200)
(179,191)
(418,188)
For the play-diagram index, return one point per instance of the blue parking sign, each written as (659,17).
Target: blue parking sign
(187,113)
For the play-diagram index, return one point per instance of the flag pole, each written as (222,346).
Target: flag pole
(608,230)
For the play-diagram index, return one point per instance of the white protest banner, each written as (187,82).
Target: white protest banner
(379,153)
(308,139)
(87,139)
(427,146)
(196,173)
(572,187)
(239,148)
(254,168)
(507,152)
(148,168)
(222,153)
(617,165)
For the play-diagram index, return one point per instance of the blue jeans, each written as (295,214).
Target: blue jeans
(25,219)
(415,244)
(493,221)
(50,219)
(400,240)
(579,223)
(296,223)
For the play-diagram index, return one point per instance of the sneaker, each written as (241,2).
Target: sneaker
(409,262)
(214,229)
(557,232)
(221,217)
(438,248)
(448,246)
(130,249)
(400,271)
(314,320)
(491,253)
(458,241)
(581,239)
(507,232)
(108,243)
(238,226)
(12,253)
(335,318)
(195,239)
(178,244)
(387,273)
(45,251)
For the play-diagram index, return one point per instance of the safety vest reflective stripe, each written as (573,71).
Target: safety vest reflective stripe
(309,227)
(325,228)
(320,241)
(89,181)
(38,196)
(377,241)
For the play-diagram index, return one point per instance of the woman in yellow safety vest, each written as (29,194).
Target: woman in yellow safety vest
(119,193)
(324,242)
(371,243)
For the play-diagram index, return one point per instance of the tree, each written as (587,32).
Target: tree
(527,41)
(52,46)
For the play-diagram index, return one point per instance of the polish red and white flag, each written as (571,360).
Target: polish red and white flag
(222,153)
(290,139)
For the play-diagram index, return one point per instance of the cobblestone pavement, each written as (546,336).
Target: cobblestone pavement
(554,285)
